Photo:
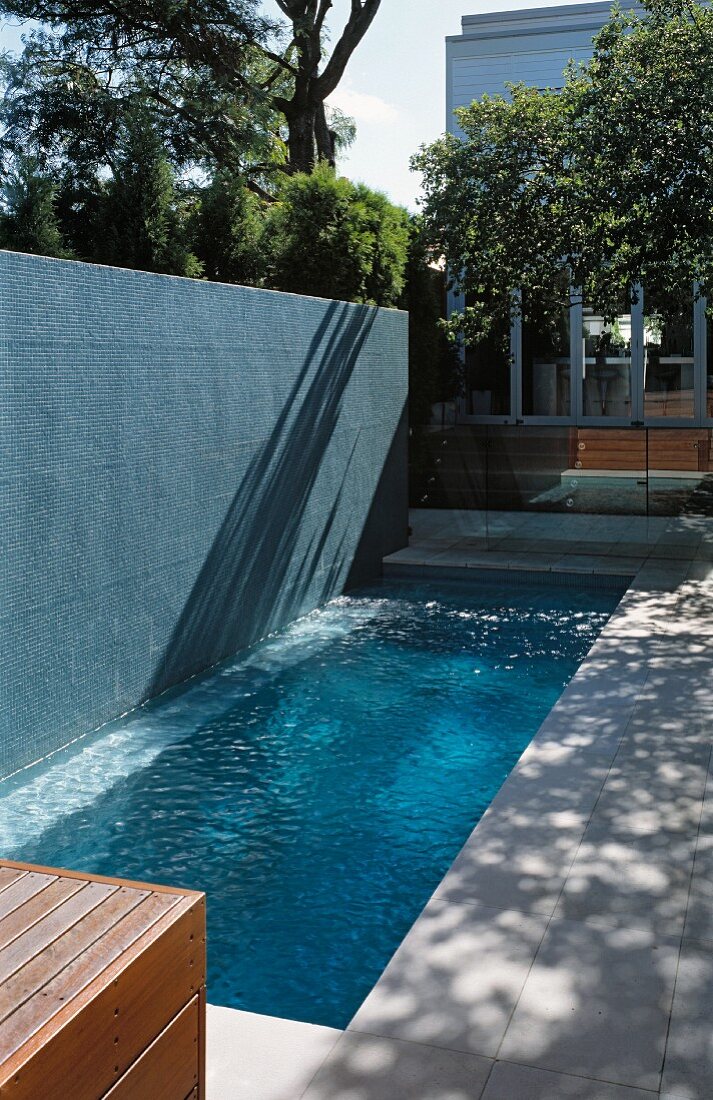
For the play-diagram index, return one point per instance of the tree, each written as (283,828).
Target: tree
(310,137)
(229,91)
(142,223)
(227,230)
(433,364)
(605,185)
(331,239)
(29,220)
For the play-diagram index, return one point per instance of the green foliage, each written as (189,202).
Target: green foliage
(142,223)
(608,182)
(228,88)
(433,362)
(330,238)
(227,230)
(29,222)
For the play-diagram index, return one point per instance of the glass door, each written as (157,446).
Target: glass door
(489,372)
(669,362)
(546,355)
(608,367)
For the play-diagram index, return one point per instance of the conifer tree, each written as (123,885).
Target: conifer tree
(142,225)
(227,231)
(29,221)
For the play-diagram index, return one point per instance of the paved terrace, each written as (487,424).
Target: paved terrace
(568,953)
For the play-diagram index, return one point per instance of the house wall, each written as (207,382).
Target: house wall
(185,467)
(533,46)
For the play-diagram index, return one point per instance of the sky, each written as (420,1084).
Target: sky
(394,86)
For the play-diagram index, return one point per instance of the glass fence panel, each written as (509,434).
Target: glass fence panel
(546,357)
(679,470)
(606,354)
(668,362)
(709,368)
(608,472)
(526,468)
(590,470)
(448,467)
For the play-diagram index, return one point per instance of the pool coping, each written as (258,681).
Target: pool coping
(440,1007)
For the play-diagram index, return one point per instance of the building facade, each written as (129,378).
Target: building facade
(642,369)
(599,415)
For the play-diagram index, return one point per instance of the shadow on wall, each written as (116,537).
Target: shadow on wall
(251,581)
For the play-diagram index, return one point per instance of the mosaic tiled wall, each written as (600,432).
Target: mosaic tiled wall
(185,467)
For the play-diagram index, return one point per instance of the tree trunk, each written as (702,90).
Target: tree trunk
(309,136)
(325,139)
(301,139)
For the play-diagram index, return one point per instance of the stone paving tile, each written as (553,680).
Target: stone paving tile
(622,878)
(688,1069)
(700,570)
(655,788)
(531,559)
(596,1004)
(511,1082)
(455,979)
(367,1067)
(672,726)
(253,1057)
(515,863)
(699,917)
(585,731)
(639,549)
(467,557)
(550,780)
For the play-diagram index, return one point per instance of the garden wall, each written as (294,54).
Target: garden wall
(184,467)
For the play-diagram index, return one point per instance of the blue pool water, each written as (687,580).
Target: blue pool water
(318,785)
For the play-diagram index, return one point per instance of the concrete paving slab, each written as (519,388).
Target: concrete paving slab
(622,878)
(596,1004)
(253,1057)
(511,1082)
(699,916)
(646,792)
(455,979)
(519,862)
(688,1069)
(367,1067)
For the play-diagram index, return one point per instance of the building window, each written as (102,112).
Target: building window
(546,356)
(668,361)
(606,353)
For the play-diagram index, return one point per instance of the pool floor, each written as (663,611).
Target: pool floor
(318,785)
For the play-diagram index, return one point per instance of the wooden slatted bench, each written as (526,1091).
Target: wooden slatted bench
(102,988)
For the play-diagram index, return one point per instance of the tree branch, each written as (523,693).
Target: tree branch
(361,18)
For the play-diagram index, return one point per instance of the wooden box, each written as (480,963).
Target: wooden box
(102,988)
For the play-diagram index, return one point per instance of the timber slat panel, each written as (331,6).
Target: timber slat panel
(169,1068)
(8,875)
(37,973)
(36,909)
(47,930)
(83,877)
(21,890)
(94,1048)
(94,990)
(27,1020)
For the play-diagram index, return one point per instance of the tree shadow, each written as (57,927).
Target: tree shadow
(267,563)
(553,945)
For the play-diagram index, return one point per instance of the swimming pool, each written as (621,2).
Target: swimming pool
(318,785)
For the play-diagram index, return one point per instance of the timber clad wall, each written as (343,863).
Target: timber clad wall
(185,467)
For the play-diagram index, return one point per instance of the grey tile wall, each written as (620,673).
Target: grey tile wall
(184,467)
